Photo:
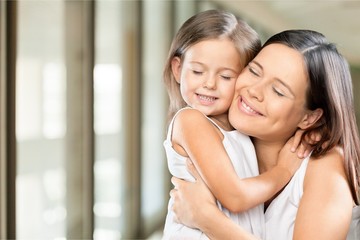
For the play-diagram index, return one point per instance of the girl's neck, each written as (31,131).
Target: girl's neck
(267,153)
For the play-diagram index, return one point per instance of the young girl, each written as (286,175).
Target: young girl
(206,57)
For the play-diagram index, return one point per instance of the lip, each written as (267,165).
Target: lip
(247,108)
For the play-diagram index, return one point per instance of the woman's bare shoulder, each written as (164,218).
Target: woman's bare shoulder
(332,160)
(326,204)
(326,170)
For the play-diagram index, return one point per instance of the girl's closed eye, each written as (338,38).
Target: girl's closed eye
(278,92)
(225,77)
(196,72)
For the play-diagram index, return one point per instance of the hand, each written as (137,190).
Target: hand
(289,159)
(191,199)
(304,143)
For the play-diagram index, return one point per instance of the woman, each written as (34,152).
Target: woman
(297,81)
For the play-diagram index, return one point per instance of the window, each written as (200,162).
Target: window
(41,121)
(90,118)
(109,128)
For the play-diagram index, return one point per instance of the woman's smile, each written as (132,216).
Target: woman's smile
(246,108)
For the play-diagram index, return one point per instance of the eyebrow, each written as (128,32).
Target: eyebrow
(277,79)
(222,68)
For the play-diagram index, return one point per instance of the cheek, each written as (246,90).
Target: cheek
(228,91)
(185,82)
(286,117)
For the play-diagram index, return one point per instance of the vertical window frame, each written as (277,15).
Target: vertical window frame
(79,41)
(7,119)
(131,105)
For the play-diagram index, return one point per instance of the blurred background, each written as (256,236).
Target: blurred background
(83,107)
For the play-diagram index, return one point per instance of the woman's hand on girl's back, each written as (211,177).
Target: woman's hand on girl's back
(192,200)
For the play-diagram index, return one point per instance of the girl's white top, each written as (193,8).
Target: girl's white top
(281,214)
(243,157)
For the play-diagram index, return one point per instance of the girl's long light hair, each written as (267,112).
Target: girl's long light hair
(211,24)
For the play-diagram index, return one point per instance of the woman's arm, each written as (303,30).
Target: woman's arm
(195,207)
(196,137)
(326,205)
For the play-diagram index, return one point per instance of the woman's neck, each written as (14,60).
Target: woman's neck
(267,153)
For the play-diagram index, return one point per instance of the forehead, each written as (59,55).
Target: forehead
(215,50)
(284,63)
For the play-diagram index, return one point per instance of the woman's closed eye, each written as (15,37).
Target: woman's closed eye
(254,71)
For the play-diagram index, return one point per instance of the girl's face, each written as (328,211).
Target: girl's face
(207,75)
(269,101)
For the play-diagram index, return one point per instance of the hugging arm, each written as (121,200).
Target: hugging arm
(203,144)
(324,211)
(194,206)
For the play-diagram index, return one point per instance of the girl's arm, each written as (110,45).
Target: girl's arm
(195,207)
(197,138)
(326,206)
(324,212)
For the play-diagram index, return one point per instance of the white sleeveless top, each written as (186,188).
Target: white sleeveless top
(281,214)
(243,157)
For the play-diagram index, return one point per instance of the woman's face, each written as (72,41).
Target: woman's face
(269,100)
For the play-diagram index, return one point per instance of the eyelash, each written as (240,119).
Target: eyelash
(200,73)
(197,72)
(277,92)
(253,71)
(226,77)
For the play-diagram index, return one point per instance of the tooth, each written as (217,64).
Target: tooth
(248,107)
(206,98)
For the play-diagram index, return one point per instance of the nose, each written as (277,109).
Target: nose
(256,91)
(210,83)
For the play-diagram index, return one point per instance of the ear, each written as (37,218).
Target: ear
(310,118)
(176,68)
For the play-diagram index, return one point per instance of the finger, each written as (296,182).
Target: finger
(316,137)
(306,153)
(301,150)
(309,138)
(173,192)
(176,182)
(325,145)
(297,140)
(312,139)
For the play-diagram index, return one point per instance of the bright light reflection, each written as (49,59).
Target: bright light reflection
(107,87)
(54,101)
